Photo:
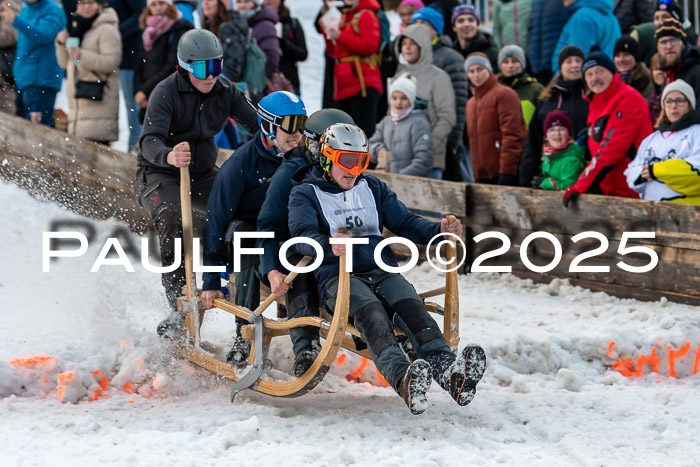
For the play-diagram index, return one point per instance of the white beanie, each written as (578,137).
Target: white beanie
(405,84)
(682,87)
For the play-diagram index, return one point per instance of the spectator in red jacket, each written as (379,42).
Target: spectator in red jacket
(357,79)
(618,121)
(495,125)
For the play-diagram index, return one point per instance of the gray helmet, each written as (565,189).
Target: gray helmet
(341,137)
(322,119)
(199,44)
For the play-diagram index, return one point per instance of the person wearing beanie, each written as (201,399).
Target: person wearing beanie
(628,63)
(457,163)
(97,29)
(471,39)
(511,21)
(402,142)
(644,33)
(564,92)
(495,125)
(633,12)
(434,89)
(162,26)
(511,61)
(667,166)
(618,121)
(563,159)
(592,23)
(406,10)
(677,57)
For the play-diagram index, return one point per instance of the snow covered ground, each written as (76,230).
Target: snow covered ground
(550,395)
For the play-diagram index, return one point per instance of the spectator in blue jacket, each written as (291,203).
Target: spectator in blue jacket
(128,12)
(236,198)
(333,195)
(36,71)
(547,21)
(592,22)
(302,299)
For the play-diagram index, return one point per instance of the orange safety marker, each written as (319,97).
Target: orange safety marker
(675,354)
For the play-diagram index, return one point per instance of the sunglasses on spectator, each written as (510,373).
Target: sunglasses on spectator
(671,41)
(670,102)
(201,69)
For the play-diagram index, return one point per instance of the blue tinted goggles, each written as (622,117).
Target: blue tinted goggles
(201,69)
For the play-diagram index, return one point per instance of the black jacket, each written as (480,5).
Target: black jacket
(233,35)
(132,44)
(566,96)
(632,12)
(483,42)
(177,112)
(158,63)
(688,71)
(293,47)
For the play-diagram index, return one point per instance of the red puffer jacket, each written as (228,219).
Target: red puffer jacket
(496,130)
(356,68)
(618,121)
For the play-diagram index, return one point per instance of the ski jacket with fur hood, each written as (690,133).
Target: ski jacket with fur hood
(434,86)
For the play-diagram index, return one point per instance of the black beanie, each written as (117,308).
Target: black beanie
(569,51)
(673,8)
(671,28)
(629,45)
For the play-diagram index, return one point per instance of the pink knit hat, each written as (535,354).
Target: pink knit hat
(417,4)
(150,2)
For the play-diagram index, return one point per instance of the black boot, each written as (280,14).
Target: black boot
(304,359)
(414,385)
(461,377)
(172,327)
(240,351)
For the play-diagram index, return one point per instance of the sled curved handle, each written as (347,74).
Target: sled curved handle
(270,298)
(187,231)
(451,324)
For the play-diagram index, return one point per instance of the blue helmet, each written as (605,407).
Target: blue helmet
(283,109)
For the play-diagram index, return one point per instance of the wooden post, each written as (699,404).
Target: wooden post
(451,325)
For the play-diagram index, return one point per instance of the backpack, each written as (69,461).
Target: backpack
(233,34)
(254,71)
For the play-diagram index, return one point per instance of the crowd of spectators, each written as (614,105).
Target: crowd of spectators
(488,93)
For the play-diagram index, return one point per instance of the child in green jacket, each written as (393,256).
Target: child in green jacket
(562,159)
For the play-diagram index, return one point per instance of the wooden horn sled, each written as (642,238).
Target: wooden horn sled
(335,331)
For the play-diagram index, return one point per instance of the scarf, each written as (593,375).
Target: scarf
(400,116)
(155,27)
(548,150)
(79,25)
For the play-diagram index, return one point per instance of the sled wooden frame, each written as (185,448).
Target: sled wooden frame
(337,333)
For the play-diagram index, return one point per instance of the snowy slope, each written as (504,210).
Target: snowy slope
(549,396)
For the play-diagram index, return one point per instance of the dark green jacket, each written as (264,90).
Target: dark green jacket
(562,168)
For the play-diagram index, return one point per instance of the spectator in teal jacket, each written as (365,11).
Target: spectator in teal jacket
(592,22)
(511,20)
(36,71)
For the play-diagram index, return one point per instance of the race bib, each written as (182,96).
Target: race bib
(354,210)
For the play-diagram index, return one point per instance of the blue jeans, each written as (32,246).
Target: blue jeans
(435,174)
(35,99)
(465,164)
(126,83)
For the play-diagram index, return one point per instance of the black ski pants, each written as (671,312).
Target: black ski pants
(158,193)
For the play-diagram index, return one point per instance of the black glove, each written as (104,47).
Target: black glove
(537,180)
(507,180)
(569,196)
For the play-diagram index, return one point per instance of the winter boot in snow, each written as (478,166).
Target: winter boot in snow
(240,351)
(461,377)
(304,359)
(173,326)
(414,385)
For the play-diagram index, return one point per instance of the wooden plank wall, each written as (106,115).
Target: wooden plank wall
(95,181)
(518,212)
